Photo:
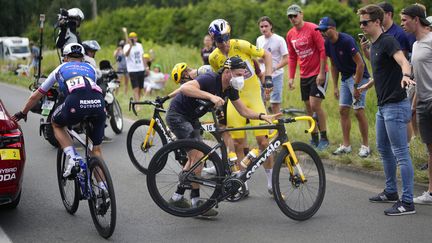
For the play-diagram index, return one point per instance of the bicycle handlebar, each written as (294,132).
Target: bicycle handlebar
(298,118)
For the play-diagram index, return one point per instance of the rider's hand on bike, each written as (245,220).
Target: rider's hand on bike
(18,116)
(218,101)
(162,100)
(270,118)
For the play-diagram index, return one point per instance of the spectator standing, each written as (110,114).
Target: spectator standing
(135,63)
(306,46)
(35,55)
(207,49)
(276,45)
(346,59)
(414,21)
(121,66)
(391,73)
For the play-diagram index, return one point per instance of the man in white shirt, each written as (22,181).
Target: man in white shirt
(135,63)
(276,45)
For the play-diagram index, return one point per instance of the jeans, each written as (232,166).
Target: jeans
(391,138)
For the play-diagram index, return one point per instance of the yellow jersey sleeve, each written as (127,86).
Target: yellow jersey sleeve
(247,48)
(216,59)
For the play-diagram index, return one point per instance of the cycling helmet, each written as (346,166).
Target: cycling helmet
(234,62)
(204,69)
(133,35)
(91,45)
(73,50)
(76,13)
(219,27)
(176,73)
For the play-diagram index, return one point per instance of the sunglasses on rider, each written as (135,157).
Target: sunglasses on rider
(365,22)
(292,16)
(222,38)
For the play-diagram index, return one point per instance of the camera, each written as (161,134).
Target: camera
(62,17)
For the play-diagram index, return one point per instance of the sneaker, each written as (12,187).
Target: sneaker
(323,144)
(210,213)
(364,151)
(209,170)
(424,166)
(313,143)
(425,198)
(400,208)
(72,163)
(181,203)
(270,191)
(385,197)
(106,139)
(342,150)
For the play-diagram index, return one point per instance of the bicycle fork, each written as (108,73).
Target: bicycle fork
(148,140)
(291,162)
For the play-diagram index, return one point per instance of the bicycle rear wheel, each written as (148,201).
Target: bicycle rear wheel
(299,200)
(139,154)
(165,170)
(102,202)
(69,188)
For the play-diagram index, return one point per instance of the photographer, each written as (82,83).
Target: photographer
(68,21)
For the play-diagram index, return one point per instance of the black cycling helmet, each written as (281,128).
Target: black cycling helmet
(234,62)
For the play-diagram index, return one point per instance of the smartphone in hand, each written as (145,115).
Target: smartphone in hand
(362,37)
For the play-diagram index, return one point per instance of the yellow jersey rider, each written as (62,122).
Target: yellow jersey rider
(250,95)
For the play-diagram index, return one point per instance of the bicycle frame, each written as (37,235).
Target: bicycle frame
(84,183)
(156,119)
(280,140)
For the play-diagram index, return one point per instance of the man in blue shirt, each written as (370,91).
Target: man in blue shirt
(346,59)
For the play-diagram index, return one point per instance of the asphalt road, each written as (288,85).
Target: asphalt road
(345,215)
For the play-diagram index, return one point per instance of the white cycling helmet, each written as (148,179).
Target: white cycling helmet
(204,69)
(91,45)
(73,50)
(219,27)
(76,13)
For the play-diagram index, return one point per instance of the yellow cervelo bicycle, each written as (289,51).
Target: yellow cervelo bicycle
(298,173)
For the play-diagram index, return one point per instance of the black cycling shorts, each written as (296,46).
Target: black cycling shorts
(80,104)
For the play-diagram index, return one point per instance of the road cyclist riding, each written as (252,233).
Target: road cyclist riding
(83,103)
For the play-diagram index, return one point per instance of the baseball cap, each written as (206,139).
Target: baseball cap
(133,35)
(325,23)
(387,7)
(429,18)
(415,10)
(294,9)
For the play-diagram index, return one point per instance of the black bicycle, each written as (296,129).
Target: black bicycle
(146,136)
(91,182)
(298,174)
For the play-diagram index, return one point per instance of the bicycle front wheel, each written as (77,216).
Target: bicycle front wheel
(166,175)
(102,202)
(299,200)
(69,188)
(141,147)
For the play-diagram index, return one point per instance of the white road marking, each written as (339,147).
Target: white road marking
(3,237)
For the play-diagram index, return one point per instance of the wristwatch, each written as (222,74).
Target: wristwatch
(259,116)
(408,75)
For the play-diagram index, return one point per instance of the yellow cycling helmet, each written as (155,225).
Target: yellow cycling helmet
(176,73)
(133,35)
(146,55)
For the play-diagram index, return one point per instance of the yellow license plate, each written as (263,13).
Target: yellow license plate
(10,154)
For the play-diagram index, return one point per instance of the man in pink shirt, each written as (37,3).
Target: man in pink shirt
(307,46)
